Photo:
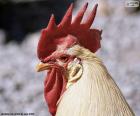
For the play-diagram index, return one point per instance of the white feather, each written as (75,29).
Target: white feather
(95,93)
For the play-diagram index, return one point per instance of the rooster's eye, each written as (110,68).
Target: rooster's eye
(63,58)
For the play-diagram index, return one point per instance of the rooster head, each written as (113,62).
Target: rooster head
(52,49)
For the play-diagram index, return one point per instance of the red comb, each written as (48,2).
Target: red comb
(86,37)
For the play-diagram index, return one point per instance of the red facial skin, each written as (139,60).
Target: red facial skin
(55,82)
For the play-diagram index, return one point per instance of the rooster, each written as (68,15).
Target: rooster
(77,83)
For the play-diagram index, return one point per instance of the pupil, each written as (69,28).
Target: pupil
(64,58)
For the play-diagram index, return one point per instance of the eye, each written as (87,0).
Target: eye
(63,58)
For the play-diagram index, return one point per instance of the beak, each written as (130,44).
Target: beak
(42,66)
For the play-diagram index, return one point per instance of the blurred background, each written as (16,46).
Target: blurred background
(21,87)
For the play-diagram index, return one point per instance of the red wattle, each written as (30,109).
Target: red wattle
(54,86)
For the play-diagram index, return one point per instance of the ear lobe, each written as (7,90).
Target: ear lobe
(75,70)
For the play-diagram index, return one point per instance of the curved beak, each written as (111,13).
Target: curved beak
(42,66)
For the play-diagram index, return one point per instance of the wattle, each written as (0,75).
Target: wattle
(54,86)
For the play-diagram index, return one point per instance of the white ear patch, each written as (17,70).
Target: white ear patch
(74,72)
